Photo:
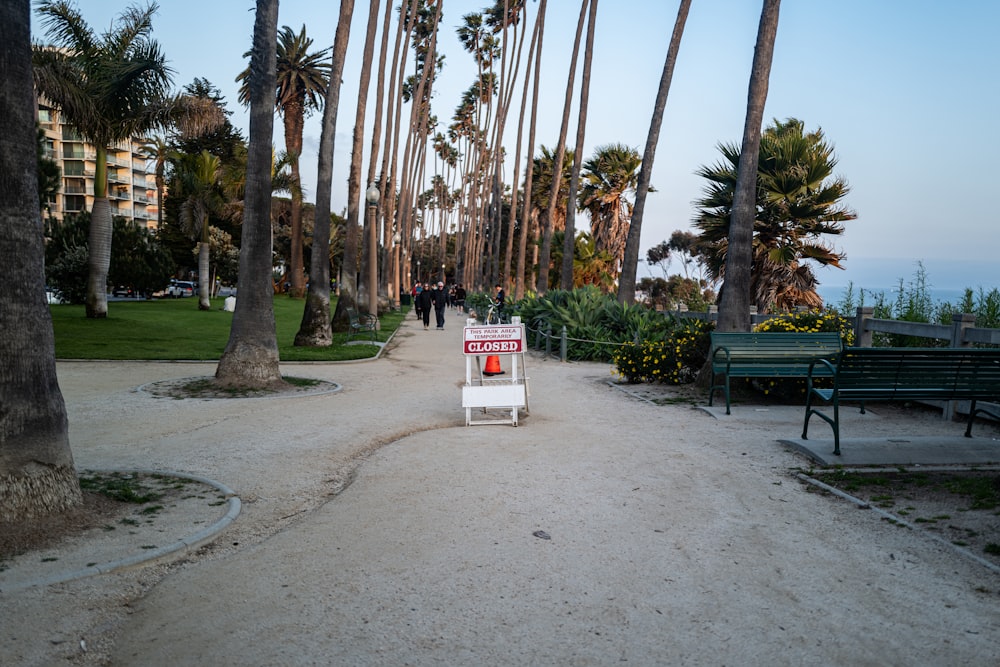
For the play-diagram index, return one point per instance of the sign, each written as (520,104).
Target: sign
(503,339)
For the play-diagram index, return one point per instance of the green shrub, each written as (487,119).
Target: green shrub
(596,324)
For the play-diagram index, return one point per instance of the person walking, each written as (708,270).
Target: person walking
(460,298)
(440,303)
(424,304)
(417,291)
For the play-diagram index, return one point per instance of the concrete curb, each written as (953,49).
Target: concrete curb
(161,554)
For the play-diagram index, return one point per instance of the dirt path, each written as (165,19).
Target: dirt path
(673,538)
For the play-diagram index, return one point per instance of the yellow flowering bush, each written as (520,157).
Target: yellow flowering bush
(675,360)
(811,322)
(804,322)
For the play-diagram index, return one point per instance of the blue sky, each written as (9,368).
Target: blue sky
(906,90)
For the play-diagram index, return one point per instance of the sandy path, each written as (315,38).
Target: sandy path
(675,538)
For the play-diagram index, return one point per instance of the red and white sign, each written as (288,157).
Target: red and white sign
(504,339)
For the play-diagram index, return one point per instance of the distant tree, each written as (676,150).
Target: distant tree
(609,181)
(137,259)
(199,176)
(112,87)
(660,255)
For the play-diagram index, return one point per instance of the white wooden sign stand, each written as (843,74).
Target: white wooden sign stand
(481,391)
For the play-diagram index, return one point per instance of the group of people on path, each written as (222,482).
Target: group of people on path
(434,296)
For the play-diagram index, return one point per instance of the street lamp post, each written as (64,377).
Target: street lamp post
(442,273)
(371,196)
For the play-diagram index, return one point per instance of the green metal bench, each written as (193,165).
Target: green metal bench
(904,374)
(767,354)
(360,324)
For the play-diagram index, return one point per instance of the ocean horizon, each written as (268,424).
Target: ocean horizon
(946,279)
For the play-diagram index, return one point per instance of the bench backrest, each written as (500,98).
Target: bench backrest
(953,372)
(352,315)
(786,346)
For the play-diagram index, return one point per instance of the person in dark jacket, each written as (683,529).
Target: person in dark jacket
(424,304)
(440,303)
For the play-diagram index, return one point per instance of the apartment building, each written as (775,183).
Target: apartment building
(131,182)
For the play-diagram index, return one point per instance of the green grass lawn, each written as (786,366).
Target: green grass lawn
(171,329)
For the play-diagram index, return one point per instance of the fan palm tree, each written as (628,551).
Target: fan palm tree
(798,203)
(251,355)
(734,306)
(199,179)
(630,260)
(302,78)
(38,475)
(609,179)
(111,87)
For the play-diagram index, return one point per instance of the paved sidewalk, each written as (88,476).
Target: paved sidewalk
(378,530)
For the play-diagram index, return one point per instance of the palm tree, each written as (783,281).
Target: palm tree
(315,329)
(527,281)
(302,78)
(251,355)
(609,178)
(38,475)
(349,284)
(111,87)
(159,151)
(581,126)
(734,306)
(797,204)
(546,251)
(199,178)
(630,261)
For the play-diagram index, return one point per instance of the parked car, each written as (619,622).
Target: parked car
(180,288)
(122,291)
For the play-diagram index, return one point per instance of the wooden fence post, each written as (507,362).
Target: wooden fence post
(862,334)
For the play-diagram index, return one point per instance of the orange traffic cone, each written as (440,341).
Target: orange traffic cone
(493,366)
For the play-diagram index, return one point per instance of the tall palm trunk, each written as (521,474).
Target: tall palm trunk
(251,355)
(569,237)
(527,222)
(630,261)
(734,306)
(512,221)
(294,120)
(204,271)
(545,257)
(99,240)
(349,292)
(315,330)
(385,280)
(368,290)
(37,475)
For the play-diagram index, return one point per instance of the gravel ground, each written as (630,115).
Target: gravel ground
(378,529)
